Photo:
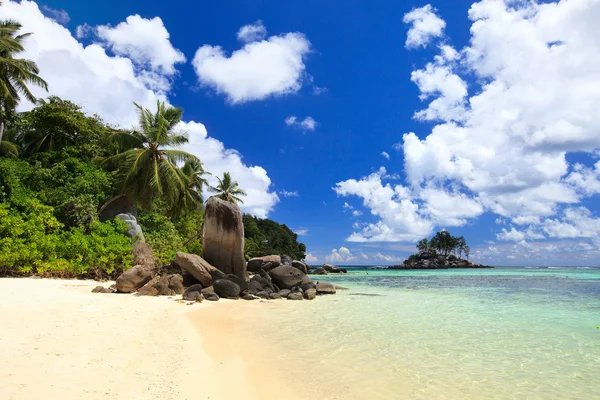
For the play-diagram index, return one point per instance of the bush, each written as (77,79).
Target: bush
(161,235)
(32,242)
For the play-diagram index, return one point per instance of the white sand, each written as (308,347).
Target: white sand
(60,341)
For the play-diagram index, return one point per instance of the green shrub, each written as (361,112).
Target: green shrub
(161,235)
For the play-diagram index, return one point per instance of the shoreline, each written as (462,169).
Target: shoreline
(59,340)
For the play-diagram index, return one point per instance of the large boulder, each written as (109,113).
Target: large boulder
(286,276)
(301,266)
(333,269)
(134,278)
(257,263)
(134,230)
(240,282)
(199,268)
(325,288)
(226,288)
(223,237)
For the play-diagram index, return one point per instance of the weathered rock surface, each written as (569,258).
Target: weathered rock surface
(295,296)
(257,263)
(284,292)
(310,294)
(134,230)
(301,266)
(274,296)
(333,269)
(254,287)
(286,276)
(134,278)
(199,268)
(223,237)
(318,271)
(226,288)
(307,285)
(286,260)
(249,296)
(325,288)
(167,285)
(98,289)
(211,296)
(240,282)
(142,254)
(193,295)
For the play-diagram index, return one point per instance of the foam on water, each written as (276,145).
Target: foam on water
(453,334)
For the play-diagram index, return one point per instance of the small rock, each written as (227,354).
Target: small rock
(226,288)
(310,294)
(275,296)
(284,292)
(240,282)
(210,296)
(98,289)
(248,296)
(192,296)
(325,288)
(295,296)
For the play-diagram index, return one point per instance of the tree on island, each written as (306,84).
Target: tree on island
(228,189)
(444,243)
(15,75)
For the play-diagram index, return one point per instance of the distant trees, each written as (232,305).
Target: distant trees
(445,244)
(264,237)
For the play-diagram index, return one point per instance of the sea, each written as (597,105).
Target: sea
(501,333)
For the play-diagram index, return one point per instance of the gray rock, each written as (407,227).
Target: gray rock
(263,294)
(333,269)
(308,285)
(254,287)
(134,278)
(295,296)
(193,296)
(310,294)
(199,268)
(134,230)
(240,282)
(98,289)
(257,263)
(325,288)
(226,288)
(286,260)
(284,292)
(223,237)
(318,271)
(148,289)
(286,276)
(301,266)
(211,296)
(274,296)
(248,296)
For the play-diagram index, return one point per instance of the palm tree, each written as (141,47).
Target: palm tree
(191,197)
(145,168)
(227,189)
(8,145)
(15,73)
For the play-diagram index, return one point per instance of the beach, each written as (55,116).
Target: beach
(60,341)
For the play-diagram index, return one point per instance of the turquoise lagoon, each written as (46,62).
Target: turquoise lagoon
(503,333)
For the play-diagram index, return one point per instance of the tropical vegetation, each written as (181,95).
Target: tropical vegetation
(444,243)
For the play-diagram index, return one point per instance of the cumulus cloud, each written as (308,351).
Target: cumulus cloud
(310,259)
(385,155)
(307,124)
(144,41)
(60,16)
(111,84)
(341,255)
(424,26)
(252,32)
(301,231)
(271,67)
(500,146)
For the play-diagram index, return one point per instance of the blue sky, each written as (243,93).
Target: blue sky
(410,116)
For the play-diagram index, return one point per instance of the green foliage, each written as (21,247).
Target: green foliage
(32,241)
(444,243)
(228,189)
(264,237)
(189,227)
(161,235)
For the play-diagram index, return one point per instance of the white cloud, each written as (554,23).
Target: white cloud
(301,232)
(271,67)
(111,85)
(425,25)
(307,124)
(341,255)
(386,258)
(286,193)
(60,16)
(356,213)
(310,259)
(144,41)
(385,155)
(501,146)
(252,32)
(218,160)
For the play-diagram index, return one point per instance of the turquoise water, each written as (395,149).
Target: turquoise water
(503,333)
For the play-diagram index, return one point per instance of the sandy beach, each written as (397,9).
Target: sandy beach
(60,341)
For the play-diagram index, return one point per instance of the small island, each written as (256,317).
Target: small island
(443,251)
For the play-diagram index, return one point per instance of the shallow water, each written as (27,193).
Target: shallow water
(504,333)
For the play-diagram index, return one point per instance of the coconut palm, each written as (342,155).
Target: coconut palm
(190,198)
(227,189)
(15,73)
(9,147)
(146,168)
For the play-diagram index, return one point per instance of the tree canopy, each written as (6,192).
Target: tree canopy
(265,236)
(228,189)
(444,243)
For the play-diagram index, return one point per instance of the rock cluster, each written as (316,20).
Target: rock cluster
(327,269)
(429,260)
